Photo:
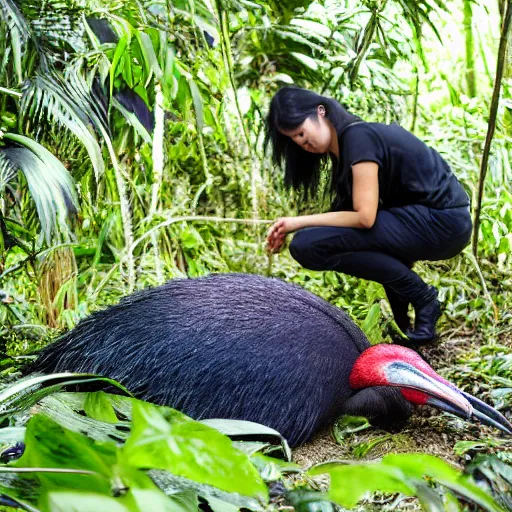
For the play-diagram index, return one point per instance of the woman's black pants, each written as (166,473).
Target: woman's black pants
(386,252)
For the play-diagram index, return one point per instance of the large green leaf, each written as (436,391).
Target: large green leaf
(350,482)
(166,439)
(27,392)
(421,465)
(404,473)
(49,445)
(58,464)
(248,431)
(135,500)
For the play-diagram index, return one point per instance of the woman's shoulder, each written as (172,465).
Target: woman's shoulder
(361,127)
(361,132)
(367,131)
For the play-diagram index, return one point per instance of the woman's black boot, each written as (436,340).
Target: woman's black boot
(427,312)
(399,307)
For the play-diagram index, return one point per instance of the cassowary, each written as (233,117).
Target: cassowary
(253,348)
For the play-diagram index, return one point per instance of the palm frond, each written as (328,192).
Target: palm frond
(57,24)
(50,184)
(18,33)
(7,172)
(419,11)
(14,18)
(70,103)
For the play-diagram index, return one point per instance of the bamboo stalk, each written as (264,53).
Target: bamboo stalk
(228,58)
(126,215)
(157,157)
(470,49)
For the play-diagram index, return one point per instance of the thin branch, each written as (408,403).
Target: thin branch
(11,92)
(200,218)
(4,469)
(473,260)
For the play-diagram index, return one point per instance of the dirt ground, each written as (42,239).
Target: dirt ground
(428,431)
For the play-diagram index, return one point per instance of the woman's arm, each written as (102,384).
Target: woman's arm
(365,199)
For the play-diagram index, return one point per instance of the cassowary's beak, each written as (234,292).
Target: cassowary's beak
(435,391)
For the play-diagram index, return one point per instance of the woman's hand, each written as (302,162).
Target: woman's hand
(276,235)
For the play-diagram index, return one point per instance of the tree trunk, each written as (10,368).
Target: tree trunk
(505,26)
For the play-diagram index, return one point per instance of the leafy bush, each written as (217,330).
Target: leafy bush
(90,451)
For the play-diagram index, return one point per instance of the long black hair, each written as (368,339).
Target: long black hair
(289,108)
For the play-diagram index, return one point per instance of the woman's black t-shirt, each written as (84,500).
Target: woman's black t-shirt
(410,172)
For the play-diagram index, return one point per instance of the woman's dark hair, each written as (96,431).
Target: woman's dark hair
(289,108)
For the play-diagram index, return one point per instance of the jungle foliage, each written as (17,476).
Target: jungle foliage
(131,152)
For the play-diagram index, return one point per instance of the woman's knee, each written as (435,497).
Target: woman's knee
(306,251)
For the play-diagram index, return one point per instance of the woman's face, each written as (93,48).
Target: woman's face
(313,135)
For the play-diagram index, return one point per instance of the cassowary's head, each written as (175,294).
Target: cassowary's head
(397,366)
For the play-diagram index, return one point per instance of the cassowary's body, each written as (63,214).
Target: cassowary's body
(229,346)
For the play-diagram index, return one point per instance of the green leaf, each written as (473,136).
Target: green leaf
(98,406)
(190,238)
(362,448)
(28,391)
(248,431)
(312,28)
(348,425)
(272,469)
(70,103)
(185,501)
(306,60)
(421,465)
(80,501)
(150,59)
(372,319)
(49,445)
(118,54)
(308,501)
(198,103)
(349,482)
(17,52)
(166,439)
(221,506)
(135,500)
(429,498)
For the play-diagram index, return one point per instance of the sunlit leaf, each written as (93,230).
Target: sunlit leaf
(165,439)
(306,60)
(349,482)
